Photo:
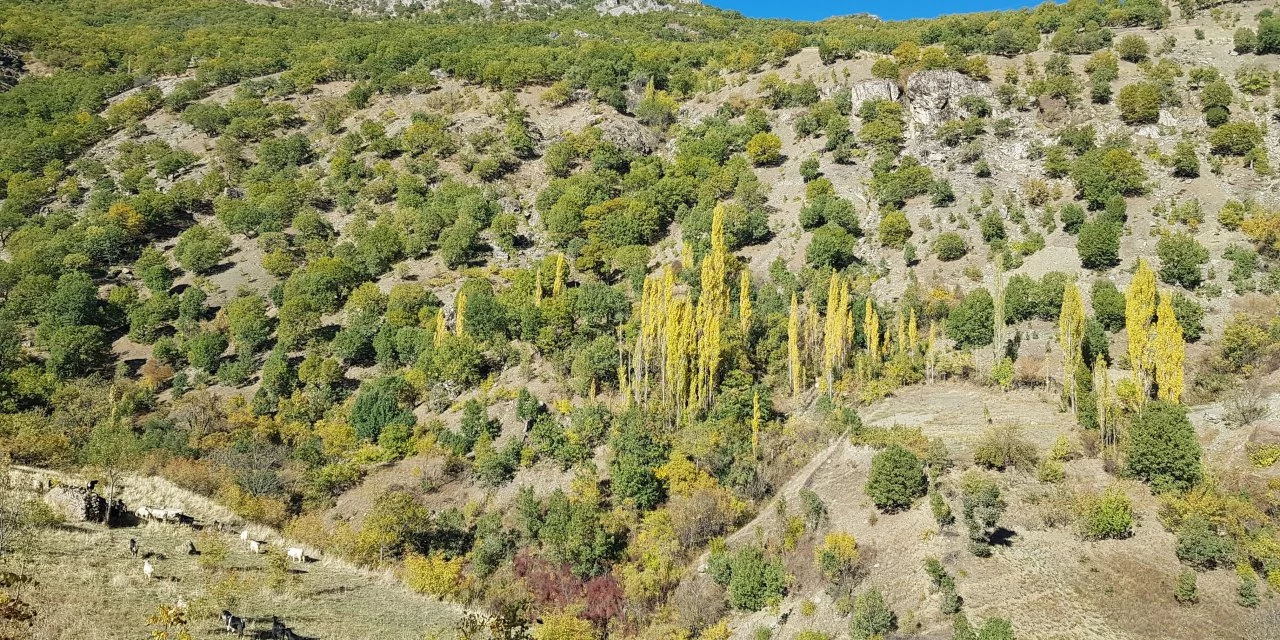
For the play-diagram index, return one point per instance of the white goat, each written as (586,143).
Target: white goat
(147,569)
(244,535)
(256,546)
(295,553)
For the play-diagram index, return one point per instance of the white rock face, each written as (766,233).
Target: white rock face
(865,90)
(933,97)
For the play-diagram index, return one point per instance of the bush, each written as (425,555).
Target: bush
(838,557)
(1163,450)
(1003,447)
(896,480)
(755,581)
(1072,218)
(1108,516)
(764,148)
(1099,244)
(1132,48)
(1182,260)
(1245,40)
(831,247)
(1235,138)
(872,617)
(1186,592)
(971,323)
(1185,162)
(894,229)
(950,246)
(1199,546)
(1108,305)
(1216,116)
(200,248)
(983,507)
(1139,103)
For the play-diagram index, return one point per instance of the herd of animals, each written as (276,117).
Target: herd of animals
(231,623)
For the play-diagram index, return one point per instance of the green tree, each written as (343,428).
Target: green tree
(1108,304)
(248,323)
(894,229)
(872,617)
(1163,449)
(983,507)
(1185,162)
(970,323)
(1139,103)
(1235,138)
(1099,244)
(1132,48)
(380,403)
(896,479)
(112,450)
(755,580)
(77,350)
(831,247)
(200,248)
(950,246)
(1182,260)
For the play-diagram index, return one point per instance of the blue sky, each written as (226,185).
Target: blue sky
(892,10)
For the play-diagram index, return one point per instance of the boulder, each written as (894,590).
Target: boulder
(860,92)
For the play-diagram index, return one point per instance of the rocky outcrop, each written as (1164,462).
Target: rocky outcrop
(77,504)
(934,96)
(860,92)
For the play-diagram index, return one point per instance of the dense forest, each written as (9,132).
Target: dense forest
(543,310)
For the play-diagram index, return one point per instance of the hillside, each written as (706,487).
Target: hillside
(646,320)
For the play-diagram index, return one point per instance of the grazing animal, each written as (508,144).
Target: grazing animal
(191,549)
(147,569)
(236,626)
(256,546)
(288,634)
(244,535)
(133,547)
(277,628)
(226,619)
(295,553)
(143,513)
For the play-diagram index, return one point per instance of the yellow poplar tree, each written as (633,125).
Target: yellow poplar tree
(913,333)
(997,306)
(1170,350)
(871,327)
(713,305)
(459,321)
(744,302)
(537,289)
(1139,307)
(557,287)
(1070,337)
(793,345)
(834,340)
(441,330)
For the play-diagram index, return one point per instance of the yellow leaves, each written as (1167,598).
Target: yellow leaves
(717,631)
(1170,351)
(744,302)
(836,338)
(683,477)
(459,321)
(1139,307)
(564,625)
(433,575)
(337,437)
(871,328)
(793,346)
(123,214)
(654,565)
(557,287)
(1070,337)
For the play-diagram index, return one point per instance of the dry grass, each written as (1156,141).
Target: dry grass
(90,588)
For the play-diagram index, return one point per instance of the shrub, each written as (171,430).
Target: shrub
(1235,138)
(1199,546)
(1163,450)
(764,148)
(1182,260)
(894,229)
(1108,516)
(1099,244)
(983,507)
(831,247)
(872,617)
(1003,447)
(1185,162)
(1139,103)
(1072,218)
(433,575)
(1108,304)
(1245,40)
(755,581)
(838,557)
(940,509)
(1185,591)
(970,323)
(896,479)
(1132,48)
(950,246)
